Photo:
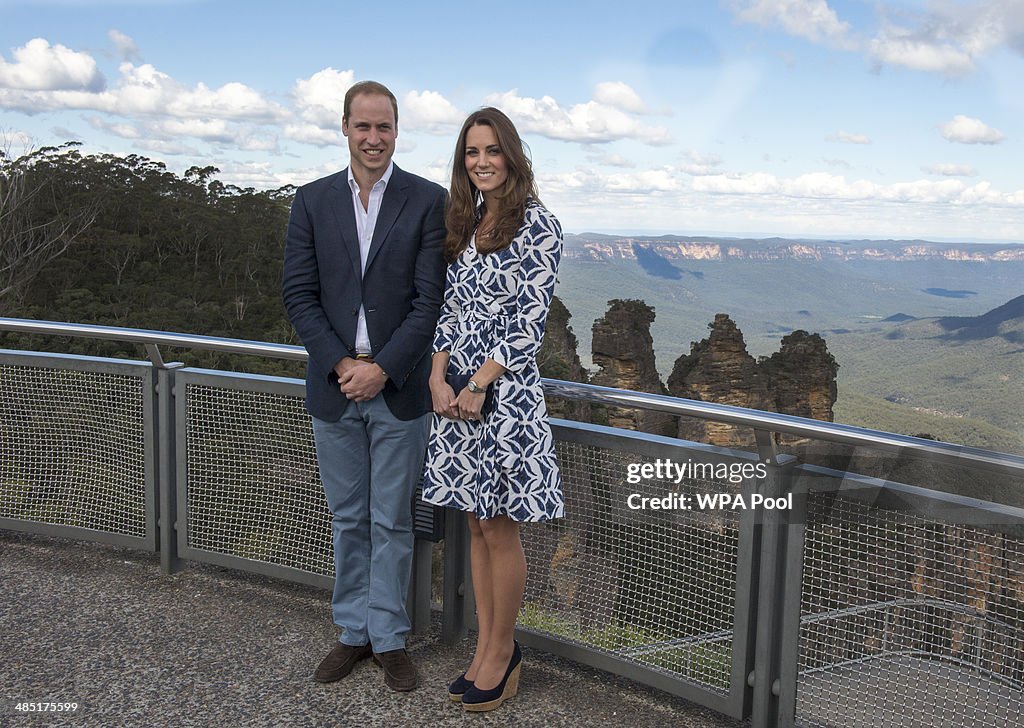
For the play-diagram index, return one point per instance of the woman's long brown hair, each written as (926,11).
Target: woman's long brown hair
(461,214)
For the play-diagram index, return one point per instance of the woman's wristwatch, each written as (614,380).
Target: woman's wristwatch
(475,388)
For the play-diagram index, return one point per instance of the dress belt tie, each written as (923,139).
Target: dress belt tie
(473,314)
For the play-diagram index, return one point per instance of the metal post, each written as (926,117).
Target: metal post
(788,648)
(417,603)
(167,521)
(771,594)
(748,558)
(456,585)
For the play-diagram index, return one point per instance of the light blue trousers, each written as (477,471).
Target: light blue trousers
(370,462)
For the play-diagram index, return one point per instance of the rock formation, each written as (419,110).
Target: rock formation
(801,377)
(624,350)
(558,359)
(719,369)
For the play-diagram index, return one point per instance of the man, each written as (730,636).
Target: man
(363,280)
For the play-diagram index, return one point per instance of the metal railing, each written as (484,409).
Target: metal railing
(868,602)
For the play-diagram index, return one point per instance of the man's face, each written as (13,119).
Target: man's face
(371,130)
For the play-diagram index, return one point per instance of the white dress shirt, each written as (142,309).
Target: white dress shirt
(366,221)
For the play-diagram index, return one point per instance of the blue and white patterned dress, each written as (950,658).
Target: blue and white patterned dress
(495,306)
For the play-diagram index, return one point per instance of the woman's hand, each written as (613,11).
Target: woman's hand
(443,397)
(469,404)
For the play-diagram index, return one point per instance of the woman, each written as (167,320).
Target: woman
(491,452)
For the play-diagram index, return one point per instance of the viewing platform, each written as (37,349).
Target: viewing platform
(99,625)
(871,599)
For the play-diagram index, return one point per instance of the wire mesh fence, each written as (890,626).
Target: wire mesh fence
(908,621)
(654,588)
(253,486)
(905,620)
(73,447)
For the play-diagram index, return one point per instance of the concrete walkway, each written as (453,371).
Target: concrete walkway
(99,625)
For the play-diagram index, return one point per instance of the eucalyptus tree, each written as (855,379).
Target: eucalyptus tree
(44,207)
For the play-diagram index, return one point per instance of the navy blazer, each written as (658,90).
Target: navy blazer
(400,289)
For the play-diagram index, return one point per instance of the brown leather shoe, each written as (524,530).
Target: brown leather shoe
(399,672)
(340,661)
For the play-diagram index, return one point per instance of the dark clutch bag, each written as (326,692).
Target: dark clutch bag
(458,382)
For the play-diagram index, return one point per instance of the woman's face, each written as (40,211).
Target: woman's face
(485,162)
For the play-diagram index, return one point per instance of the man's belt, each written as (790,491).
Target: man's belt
(365,357)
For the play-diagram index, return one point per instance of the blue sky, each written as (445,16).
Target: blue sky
(790,117)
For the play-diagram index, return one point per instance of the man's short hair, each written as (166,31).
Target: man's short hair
(368,87)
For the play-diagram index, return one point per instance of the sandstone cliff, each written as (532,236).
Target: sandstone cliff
(799,379)
(719,369)
(558,359)
(624,350)
(802,377)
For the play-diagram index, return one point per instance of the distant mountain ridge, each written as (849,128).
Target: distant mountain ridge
(1006,321)
(596,246)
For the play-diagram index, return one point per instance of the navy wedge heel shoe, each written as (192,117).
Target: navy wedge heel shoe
(479,701)
(459,687)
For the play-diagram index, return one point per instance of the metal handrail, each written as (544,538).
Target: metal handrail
(759,420)
(154,338)
(935,450)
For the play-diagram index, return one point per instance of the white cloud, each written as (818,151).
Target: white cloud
(251,142)
(262,175)
(611,160)
(38,66)
(581,185)
(848,138)
(252,174)
(211,130)
(698,164)
(982,193)
(759,188)
(821,185)
(951,170)
(951,36)
(320,99)
(589,123)
(752,183)
(816,193)
(145,91)
(231,101)
(123,130)
(948,38)
(620,96)
(968,130)
(430,112)
(438,171)
(810,19)
(63,133)
(170,148)
(591,185)
(990,24)
(315,135)
(901,47)
(125,46)
(652,180)
(163,134)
